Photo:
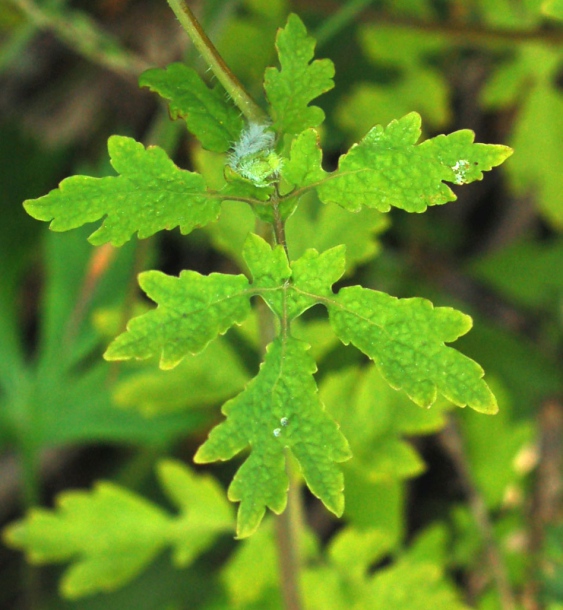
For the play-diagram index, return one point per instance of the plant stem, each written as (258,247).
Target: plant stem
(287,526)
(460,31)
(279,225)
(83,36)
(222,72)
(288,523)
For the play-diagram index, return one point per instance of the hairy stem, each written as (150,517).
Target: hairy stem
(230,82)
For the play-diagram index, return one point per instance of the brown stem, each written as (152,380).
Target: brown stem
(460,31)
(279,224)
(288,523)
(287,535)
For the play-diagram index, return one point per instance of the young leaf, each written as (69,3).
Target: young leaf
(303,167)
(314,274)
(387,168)
(204,512)
(111,534)
(415,582)
(269,267)
(192,310)
(209,116)
(299,81)
(279,409)
(150,194)
(405,338)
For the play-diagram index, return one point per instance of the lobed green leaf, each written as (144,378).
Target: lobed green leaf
(111,534)
(313,274)
(279,410)
(150,194)
(209,116)
(387,169)
(291,88)
(204,512)
(405,338)
(192,310)
(303,168)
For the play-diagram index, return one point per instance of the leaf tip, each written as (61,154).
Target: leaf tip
(489,407)
(202,456)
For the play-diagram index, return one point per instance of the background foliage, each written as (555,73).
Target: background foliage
(443,509)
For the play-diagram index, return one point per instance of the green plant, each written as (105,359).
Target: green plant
(272,162)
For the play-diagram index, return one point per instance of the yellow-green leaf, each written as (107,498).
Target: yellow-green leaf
(150,194)
(300,80)
(192,310)
(111,534)
(280,409)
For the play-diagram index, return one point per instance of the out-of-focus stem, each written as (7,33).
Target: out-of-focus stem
(80,33)
(288,524)
(287,537)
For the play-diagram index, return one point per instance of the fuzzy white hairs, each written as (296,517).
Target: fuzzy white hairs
(253,156)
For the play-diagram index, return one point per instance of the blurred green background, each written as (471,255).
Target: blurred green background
(68,80)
